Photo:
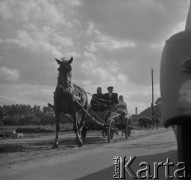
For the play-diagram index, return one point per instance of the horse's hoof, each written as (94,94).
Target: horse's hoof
(80,144)
(55,146)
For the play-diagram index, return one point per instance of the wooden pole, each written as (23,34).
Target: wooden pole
(188,21)
(152,110)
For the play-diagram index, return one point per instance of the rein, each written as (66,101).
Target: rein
(78,101)
(61,84)
(91,94)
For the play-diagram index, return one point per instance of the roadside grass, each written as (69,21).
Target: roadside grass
(29,129)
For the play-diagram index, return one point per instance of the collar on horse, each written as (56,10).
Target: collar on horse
(72,88)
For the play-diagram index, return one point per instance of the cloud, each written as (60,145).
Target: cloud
(74,2)
(7,74)
(140,99)
(64,41)
(90,29)
(39,93)
(136,20)
(121,77)
(7,100)
(92,47)
(47,40)
(31,11)
(94,69)
(105,41)
(27,94)
(112,42)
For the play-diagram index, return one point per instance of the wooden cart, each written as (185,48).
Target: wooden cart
(116,122)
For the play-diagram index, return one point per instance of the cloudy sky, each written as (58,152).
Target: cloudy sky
(113,42)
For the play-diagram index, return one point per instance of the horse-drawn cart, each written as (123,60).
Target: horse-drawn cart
(72,100)
(109,126)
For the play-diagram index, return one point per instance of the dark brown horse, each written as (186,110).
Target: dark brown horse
(69,99)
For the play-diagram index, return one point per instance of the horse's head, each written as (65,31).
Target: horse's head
(65,70)
(65,66)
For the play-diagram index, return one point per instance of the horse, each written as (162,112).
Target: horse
(69,99)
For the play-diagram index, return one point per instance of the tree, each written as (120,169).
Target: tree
(158,101)
(48,110)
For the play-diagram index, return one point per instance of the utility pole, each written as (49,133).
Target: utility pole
(152,103)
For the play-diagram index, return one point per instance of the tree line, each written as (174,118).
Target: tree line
(20,114)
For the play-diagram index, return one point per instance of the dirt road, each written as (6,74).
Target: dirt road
(93,162)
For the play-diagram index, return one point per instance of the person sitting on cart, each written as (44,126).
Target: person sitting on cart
(112,100)
(110,97)
(97,102)
(122,107)
(122,110)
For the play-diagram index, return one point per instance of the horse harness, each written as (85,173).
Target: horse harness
(76,91)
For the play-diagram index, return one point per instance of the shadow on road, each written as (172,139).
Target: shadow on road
(107,174)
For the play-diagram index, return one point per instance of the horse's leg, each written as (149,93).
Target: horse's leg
(84,132)
(80,122)
(76,117)
(81,126)
(74,125)
(56,142)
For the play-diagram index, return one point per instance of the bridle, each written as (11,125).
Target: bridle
(64,82)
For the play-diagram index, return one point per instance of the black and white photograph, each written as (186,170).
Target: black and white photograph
(95,89)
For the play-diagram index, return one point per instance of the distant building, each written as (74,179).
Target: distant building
(147,113)
(135,119)
(156,112)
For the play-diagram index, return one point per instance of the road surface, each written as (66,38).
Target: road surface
(97,163)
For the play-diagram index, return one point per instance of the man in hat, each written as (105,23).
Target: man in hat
(97,102)
(112,100)
(111,97)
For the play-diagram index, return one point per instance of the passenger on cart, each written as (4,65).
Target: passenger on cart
(110,97)
(112,101)
(122,107)
(122,110)
(97,102)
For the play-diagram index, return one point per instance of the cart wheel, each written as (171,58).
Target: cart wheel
(111,130)
(127,128)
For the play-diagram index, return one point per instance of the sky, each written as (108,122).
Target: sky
(113,42)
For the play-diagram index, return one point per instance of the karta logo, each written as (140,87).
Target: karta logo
(122,167)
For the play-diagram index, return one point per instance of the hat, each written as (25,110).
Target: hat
(110,87)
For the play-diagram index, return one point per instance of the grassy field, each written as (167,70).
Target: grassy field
(35,129)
